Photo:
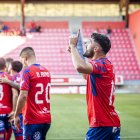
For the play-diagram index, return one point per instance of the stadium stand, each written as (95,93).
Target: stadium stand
(51,47)
(122,53)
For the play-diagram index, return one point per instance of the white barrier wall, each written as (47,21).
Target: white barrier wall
(73,84)
(77,80)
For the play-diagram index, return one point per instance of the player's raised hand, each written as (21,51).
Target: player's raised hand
(74,39)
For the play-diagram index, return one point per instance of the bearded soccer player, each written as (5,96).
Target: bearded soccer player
(34,97)
(98,71)
(5,101)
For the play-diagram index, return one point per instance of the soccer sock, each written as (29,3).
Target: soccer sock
(8,134)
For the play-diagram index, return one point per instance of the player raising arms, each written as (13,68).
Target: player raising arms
(103,119)
(35,96)
(5,101)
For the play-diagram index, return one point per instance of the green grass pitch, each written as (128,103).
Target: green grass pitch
(69,117)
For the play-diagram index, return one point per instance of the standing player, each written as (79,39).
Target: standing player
(5,101)
(8,62)
(15,68)
(34,94)
(7,81)
(103,119)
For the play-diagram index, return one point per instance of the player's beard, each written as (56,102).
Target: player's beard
(88,54)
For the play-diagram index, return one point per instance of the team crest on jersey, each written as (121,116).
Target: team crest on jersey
(37,135)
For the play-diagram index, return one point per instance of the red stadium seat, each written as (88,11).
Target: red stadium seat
(122,53)
(51,49)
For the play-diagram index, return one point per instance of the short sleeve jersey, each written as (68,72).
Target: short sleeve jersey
(100,94)
(5,95)
(36,80)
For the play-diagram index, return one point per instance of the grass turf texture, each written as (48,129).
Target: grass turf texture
(69,118)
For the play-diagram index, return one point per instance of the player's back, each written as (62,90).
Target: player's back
(5,95)
(36,79)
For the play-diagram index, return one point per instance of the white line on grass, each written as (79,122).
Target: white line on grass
(78,138)
(131,137)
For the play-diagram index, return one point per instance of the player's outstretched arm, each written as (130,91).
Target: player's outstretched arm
(80,65)
(10,82)
(14,84)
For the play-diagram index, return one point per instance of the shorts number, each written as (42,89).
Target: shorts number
(1,92)
(40,85)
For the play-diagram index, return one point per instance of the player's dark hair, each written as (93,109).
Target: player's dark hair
(16,66)
(2,63)
(103,41)
(27,51)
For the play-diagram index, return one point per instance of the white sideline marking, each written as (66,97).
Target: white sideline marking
(127,137)
(131,137)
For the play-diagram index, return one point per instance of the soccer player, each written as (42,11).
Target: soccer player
(8,62)
(15,68)
(103,120)
(34,96)
(5,101)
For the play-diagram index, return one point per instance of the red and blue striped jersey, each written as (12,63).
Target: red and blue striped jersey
(16,78)
(5,95)
(36,80)
(100,94)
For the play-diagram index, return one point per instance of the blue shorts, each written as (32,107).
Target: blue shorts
(20,132)
(35,131)
(4,124)
(103,133)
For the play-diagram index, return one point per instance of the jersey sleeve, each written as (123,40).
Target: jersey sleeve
(25,77)
(98,67)
(7,76)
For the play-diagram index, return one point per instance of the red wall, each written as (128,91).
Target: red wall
(43,24)
(105,24)
(134,25)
